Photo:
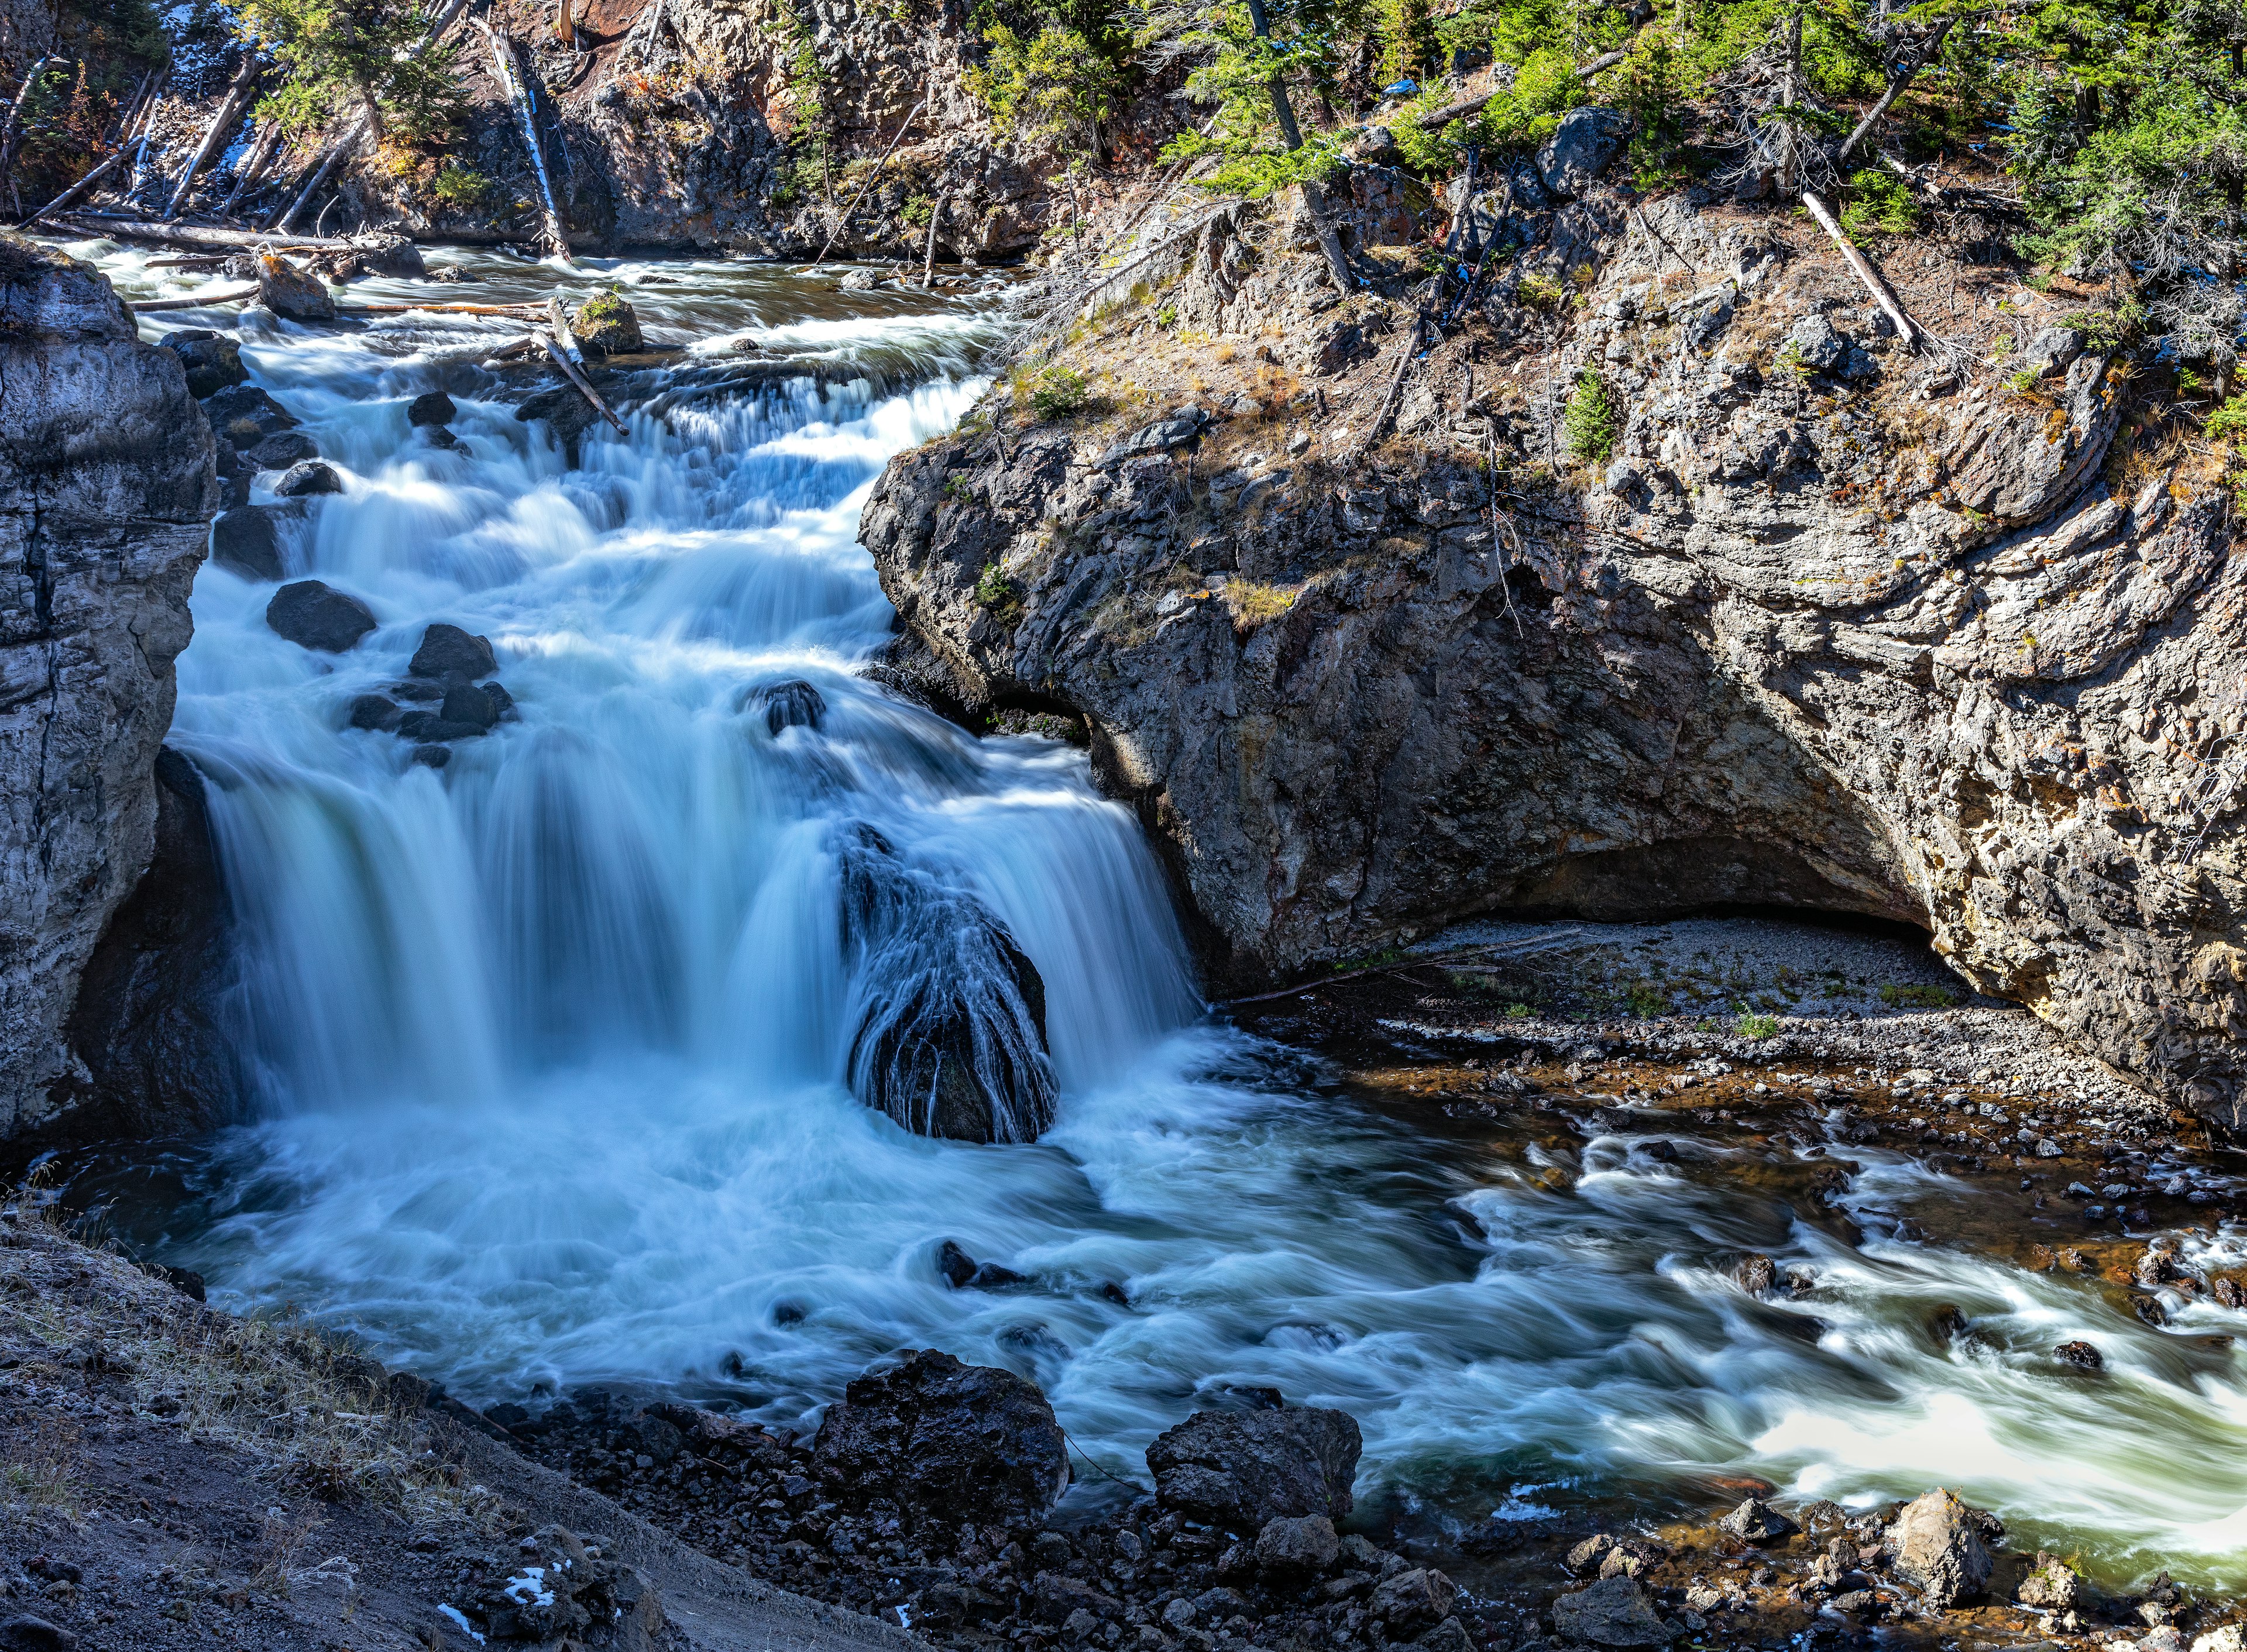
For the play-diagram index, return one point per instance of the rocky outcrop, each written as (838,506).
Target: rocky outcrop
(1841,630)
(1242,1470)
(105,484)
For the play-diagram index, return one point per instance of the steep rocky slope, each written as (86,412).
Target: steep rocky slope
(105,484)
(1828,622)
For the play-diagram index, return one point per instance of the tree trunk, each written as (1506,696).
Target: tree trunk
(12,133)
(503,65)
(935,217)
(1315,196)
(230,111)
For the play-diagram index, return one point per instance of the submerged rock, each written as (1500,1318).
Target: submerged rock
(933,1434)
(1938,1545)
(795,704)
(951,1013)
(376,711)
(1243,1469)
(313,615)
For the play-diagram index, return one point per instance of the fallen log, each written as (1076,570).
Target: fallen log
(192,236)
(562,335)
(584,385)
(230,111)
(511,312)
(1883,295)
(193,301)
(253,169)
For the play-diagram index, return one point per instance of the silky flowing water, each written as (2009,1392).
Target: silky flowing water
(550,1044)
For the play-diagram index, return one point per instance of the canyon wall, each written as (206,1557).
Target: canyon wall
(106,485)
(1821,621)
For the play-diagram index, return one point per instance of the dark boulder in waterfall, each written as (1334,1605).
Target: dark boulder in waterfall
(430,408)
(447,651)
(247,541)
(376,711)
(306,478)
(962,1272)
(243,415)
(313,615)
(213,360)
(951,1013)
(793,704)
(933,1434)
(1241,1469)
(282,450)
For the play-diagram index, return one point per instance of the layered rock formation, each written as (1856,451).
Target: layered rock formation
(105,484)
(1827,624)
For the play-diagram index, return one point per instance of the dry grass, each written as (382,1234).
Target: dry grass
(317,1416)
(1253,604)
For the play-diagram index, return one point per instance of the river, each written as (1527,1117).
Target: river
(550,1044)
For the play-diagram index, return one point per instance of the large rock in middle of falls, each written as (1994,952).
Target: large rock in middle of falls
(951,1013)
(933,1433)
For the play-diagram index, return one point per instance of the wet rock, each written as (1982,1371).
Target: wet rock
(2082,1355)
(1586,1556)
(962,1272)
(467,704)
(1584,147)
(1612,1612)
(605,325)
(243,415)
(1449,1635)
(795,704)
(1756,1274)
(213,360)
(234,474)
(247,541)
(1947,1324)
(376,711)
(1302,1546)
(569,415)
(292,293)
(2227,1291)
(431,407)
(391,254)
(433,728)
(952,1035)
(314,615)
(306,478)
(1937,1541)
(452,272)
(2231,1638)
(433,756)
(857,280)
(284,449)
(447,651)
(2050,1583)
(502,703)
(1242,1469)
(933,1434)
(1414,1600)
(437,436)
(1756,1521)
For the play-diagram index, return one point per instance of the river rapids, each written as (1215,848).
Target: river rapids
(550,1045)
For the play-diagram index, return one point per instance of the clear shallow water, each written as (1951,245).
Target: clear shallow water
(551,1043)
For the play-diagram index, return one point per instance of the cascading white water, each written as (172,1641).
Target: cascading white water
(553,1042)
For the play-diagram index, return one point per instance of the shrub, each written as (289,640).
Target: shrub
(1917,997)
(994,589)
(1254,605)
(1056,392)
(1594,419)
(1883,204)
(462,186)
(1757,1026)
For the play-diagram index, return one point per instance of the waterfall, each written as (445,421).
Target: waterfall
(560,1049)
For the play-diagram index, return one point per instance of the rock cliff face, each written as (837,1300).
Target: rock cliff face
(1826,623)
(105,485)
(761,126)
